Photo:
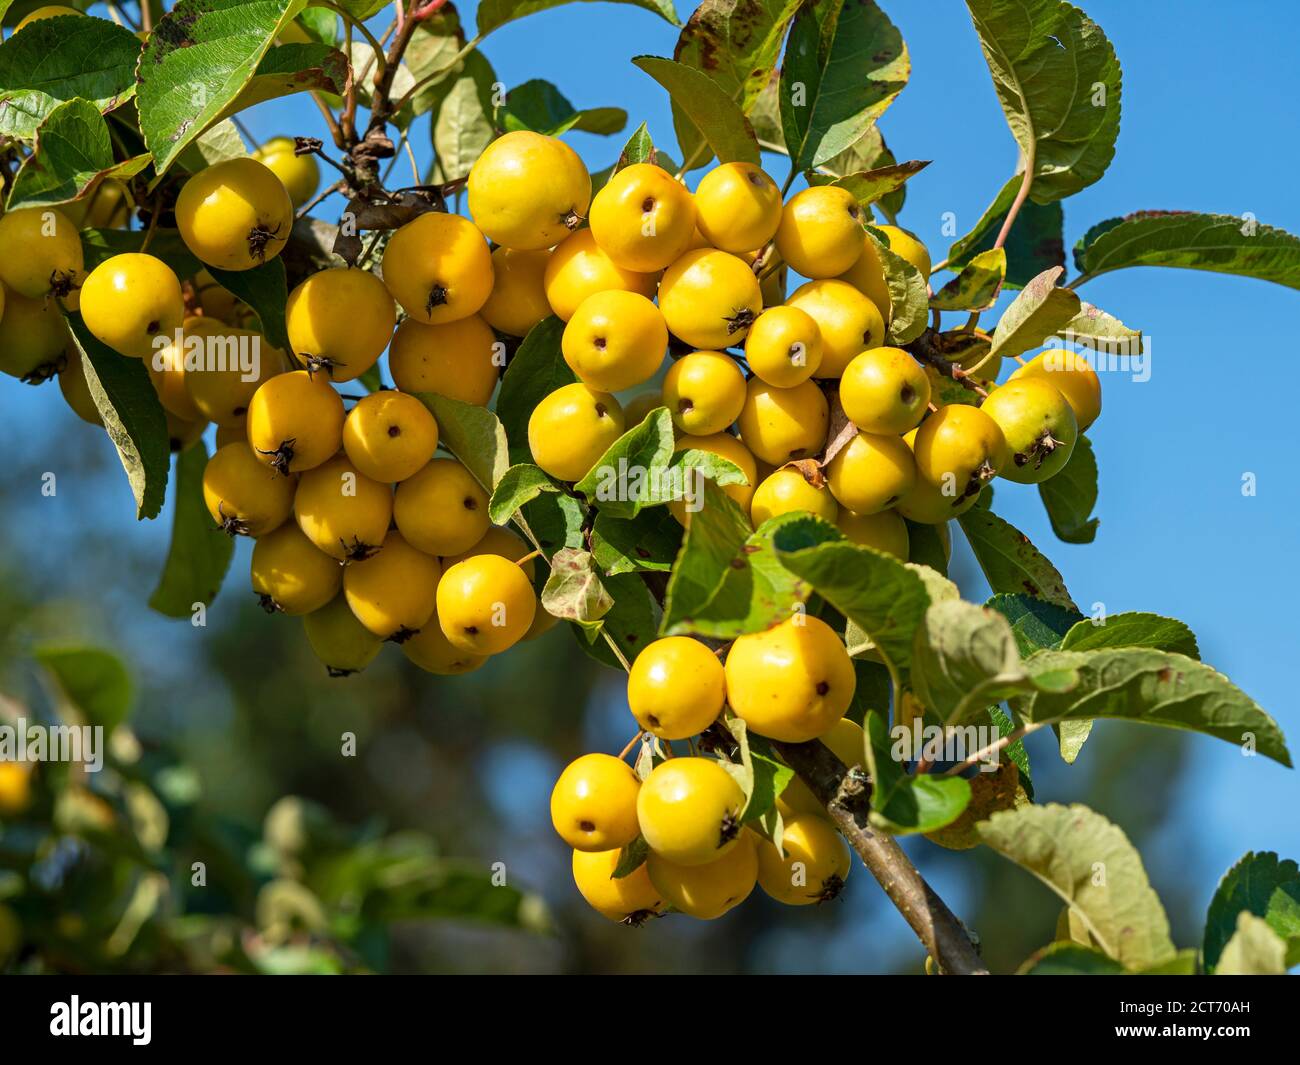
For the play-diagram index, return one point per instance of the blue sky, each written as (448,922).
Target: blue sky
(1177,536)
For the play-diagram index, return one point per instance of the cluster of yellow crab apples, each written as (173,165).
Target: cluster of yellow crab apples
(367,532)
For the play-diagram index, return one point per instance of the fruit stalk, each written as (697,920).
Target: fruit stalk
(845,796)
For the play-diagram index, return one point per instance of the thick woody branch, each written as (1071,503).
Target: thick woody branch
(845,795)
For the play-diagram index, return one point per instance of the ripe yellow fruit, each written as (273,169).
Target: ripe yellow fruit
(577,268)
(76,390)
(518,299)
(430,650)
(485,604)
(339,640)
(1038,424)
(438,268)
(15,789)
(709,299)
(49,11)
(393,593)
(904,244)
(848,742)
(340,321)
(739,207)
(593,804)
(299,174)
(342,511)
(295,421)
(224,368)
(128,301)
(615,340)
(960,449)
(815,865)
(291,575)
(726,446)
(216,301)
(43,255)
(871,473)
(572,428)
(630,900)
(459,359)
(784,347)
(689,810)
(441,510)
(704,391)
(786,491)
(791,682)
(528,191)
(229,434)
(243,496)
(1072,376)
(33,338)
(643,218)
(638,408)
(389,436)
(496,541)
(166,369)
(867,275)
(848,321)
(181,433)
(706,892)
(676,688)
(885,390)
(781,424)
(234,215)
(885,531)
(820,234)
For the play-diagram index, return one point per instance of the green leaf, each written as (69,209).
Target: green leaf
(868,153)
(214,145)
(518,485)
(573,590)
(875,591)
(59,59)
(556,520)
(1070,496)
(539,106)
(638,149)
(289,68)
(131,413)
(1035,623)
(94,681)
(650,541)
(1094,328)
(1065,847)
(1058,81)
(631,622)
(756,590)
(1263,885)
(434,46)
(1223,244)
(736,43)
(462,124)
(903,803)
(964,658)
(631,858)
(265,289)
(1038,312)
(909,300)
(925,547)
(200,552)
(1070,959)
(1015,752)
(196,63)
(844,64)
(630,474)
(72,155)
(494,13)
(1132,630)
(869,186)
(1154,688)
(1036,242)
(535,371)
(166,244)
(1010,562)
(1254,950)
(718,118)
(976,288)
(716,536)
(473,435)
